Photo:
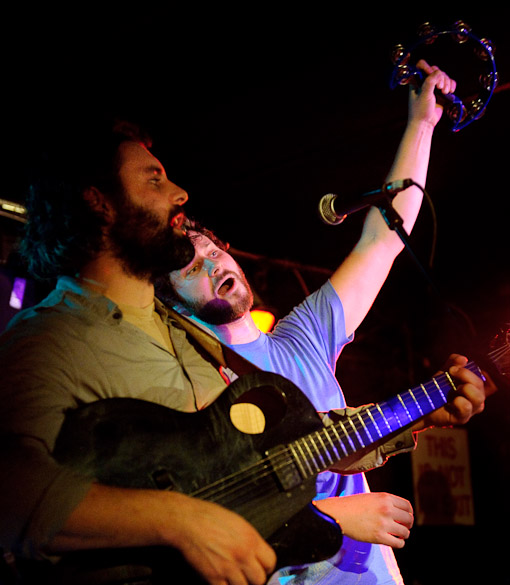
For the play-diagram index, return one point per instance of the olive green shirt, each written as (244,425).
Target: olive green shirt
(75,347)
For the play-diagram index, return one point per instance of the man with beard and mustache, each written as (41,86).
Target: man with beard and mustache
(306,344)
(105,220)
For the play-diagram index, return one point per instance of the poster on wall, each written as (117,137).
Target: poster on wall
(442,478)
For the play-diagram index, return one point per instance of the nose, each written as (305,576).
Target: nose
(178,195)
(211,265)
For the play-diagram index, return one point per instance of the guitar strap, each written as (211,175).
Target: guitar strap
(244,416)
(222,354)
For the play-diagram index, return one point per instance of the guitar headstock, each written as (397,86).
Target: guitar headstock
(500,351)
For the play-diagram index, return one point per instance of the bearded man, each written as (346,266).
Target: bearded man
(105,220)
(305,345)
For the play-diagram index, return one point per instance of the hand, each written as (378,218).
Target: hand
(375,517)
(224,548)
(423,105)
(468,399)
(216,542)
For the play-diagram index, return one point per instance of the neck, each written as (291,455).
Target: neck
(106,276)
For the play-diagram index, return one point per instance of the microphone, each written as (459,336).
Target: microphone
(334,210)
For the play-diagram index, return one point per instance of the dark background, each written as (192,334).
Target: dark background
(258,113)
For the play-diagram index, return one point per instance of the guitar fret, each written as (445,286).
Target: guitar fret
(439,388)
(323,463)
(384,418)
(310,458)
(353,446)
(452,383)
(416,402)
(427,395)
(356,431)
(375,424)
(333,428)
(326,432)
(414,408)
(299,458)
(369,435)
(404,407)
(325,449)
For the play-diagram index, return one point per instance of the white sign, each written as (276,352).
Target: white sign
(442,478)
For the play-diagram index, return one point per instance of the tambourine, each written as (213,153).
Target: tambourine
(461,112)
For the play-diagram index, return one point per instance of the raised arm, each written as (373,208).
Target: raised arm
(360,277)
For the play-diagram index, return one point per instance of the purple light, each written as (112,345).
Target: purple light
(17,293)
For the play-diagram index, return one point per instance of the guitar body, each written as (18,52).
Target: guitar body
(135,443)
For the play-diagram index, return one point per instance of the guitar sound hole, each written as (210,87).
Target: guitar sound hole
(248,418)
(257,409)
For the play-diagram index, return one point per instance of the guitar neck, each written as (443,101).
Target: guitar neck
(320,450)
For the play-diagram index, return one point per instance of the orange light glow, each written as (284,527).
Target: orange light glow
(264,320)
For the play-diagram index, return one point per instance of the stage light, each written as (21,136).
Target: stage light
(13,210)
(17,293)
(264,319)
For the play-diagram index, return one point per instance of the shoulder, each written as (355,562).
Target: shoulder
(320,309)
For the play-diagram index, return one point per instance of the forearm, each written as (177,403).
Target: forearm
(379,518)
(221,545)
(112,517)
(413,154)
(411,162)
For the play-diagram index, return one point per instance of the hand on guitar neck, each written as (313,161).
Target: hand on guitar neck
(469,398)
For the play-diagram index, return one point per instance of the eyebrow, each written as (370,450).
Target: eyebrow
(153,169)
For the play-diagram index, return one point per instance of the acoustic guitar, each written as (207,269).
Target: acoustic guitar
(267,477)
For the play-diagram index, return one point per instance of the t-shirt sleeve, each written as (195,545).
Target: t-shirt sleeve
(319,320)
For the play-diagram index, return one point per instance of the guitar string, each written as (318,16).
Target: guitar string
(239,480)
(235,483)
(272,464)
(243,478)
(499,353)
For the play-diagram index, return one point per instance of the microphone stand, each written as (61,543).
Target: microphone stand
(395,223)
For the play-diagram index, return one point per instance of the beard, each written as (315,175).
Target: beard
(147,247)
(221,311)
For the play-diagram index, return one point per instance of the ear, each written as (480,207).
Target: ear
(98,202)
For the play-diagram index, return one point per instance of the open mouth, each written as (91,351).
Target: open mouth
(177,221)
(226,286)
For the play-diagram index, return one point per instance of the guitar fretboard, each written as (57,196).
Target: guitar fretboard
(318,451)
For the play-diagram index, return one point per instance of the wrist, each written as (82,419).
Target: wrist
(421,126)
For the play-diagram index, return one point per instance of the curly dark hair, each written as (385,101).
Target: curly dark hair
(164,287)
(194,225)
(62,232)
